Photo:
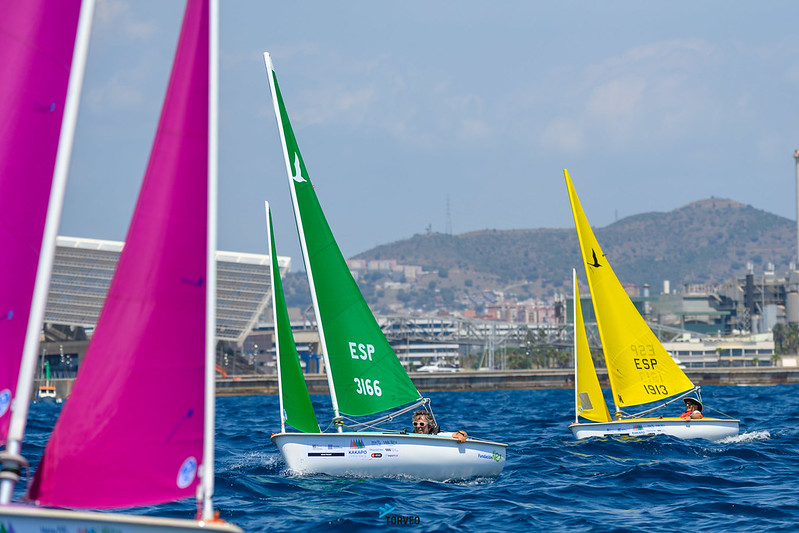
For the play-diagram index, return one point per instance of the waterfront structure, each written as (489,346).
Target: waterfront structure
(82,273)
(84,267)
(751,304)
(711,351)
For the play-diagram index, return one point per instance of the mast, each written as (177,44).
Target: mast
(303,244)
(576,296)
(11,456)
(210,295)
(270,246)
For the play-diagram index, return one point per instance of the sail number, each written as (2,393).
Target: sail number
(656,389)
(646,356)
(645,364)
(361,351)
(367,387)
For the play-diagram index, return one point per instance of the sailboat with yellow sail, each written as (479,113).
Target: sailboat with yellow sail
(641,372)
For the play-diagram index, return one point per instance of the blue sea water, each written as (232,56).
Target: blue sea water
(550,481)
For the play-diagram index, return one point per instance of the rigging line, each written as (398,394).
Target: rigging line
(332,422)
(660,406)
(357,429)
(371,423)
(720,412)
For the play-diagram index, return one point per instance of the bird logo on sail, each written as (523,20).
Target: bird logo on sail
(596,262)
(187,472)
(297,170)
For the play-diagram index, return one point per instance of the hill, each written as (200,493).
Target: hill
(707,241)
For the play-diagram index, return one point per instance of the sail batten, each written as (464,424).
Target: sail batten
(364,373)
(640,369)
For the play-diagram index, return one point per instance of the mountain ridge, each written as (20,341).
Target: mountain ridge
(706,241)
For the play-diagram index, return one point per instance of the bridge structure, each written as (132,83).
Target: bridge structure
(491,338)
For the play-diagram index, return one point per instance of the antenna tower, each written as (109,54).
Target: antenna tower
(448,226)
(796,161)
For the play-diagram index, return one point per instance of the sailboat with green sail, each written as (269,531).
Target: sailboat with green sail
(641,372)
(364,375)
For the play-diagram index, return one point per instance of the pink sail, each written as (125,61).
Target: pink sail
(131,432)
(37,38)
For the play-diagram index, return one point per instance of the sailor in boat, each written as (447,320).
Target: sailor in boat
(693,409)
(423,422)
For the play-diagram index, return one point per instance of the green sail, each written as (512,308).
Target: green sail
(296,402)
(367,375)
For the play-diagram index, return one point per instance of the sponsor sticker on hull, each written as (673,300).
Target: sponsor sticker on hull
(325,454)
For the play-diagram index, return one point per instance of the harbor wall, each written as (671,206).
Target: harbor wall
(551,378)
(518,379)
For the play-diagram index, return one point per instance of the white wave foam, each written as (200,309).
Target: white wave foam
(749,436)
(254,459)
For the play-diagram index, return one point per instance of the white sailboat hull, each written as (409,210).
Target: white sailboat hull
(30,519)
(374,454)
(705,428)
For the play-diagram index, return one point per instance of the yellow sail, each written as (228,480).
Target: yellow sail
(590,402)
(639,368)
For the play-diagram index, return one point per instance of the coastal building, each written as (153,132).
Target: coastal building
(82,273)
(740,350)
(695,327)
(753,303)
(725,324)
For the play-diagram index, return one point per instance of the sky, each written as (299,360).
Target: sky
(453,116)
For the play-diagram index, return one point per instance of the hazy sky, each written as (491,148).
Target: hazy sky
(434,114)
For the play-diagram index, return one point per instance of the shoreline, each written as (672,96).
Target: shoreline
(481,380)
(484,380)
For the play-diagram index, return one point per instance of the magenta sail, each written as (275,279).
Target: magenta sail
(36,43)
(131,432)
